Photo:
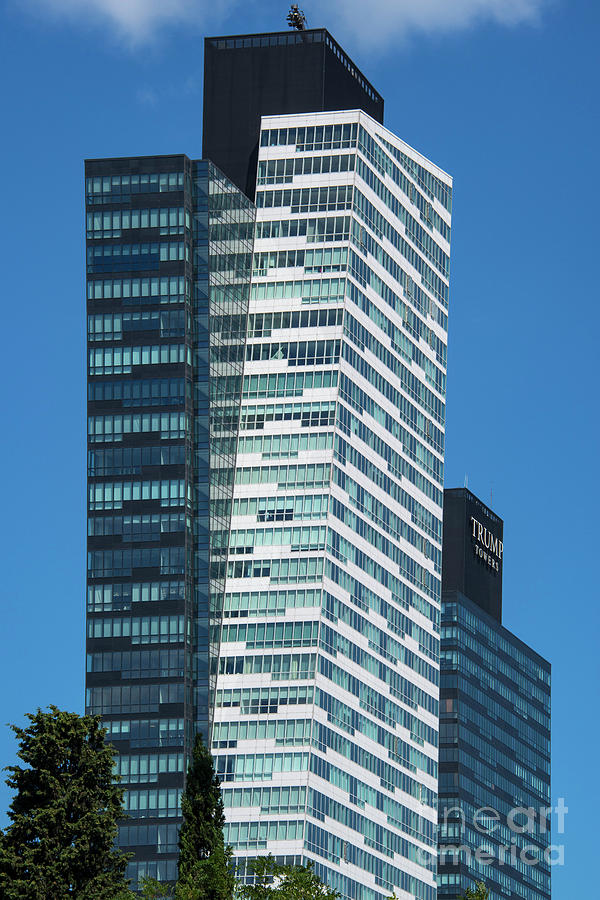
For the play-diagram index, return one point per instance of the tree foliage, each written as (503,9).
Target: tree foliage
(479,892)
(277,882)
(205,871)
(63,817)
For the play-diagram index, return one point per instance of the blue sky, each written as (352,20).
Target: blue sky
(500,93)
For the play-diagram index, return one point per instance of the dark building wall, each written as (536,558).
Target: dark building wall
(246,77)
(473,550)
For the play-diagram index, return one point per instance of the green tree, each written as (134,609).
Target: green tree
(63,817)
(205,870)
(479,892)
(276,882)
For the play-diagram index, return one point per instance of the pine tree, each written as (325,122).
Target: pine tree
(63,817)
(205,872)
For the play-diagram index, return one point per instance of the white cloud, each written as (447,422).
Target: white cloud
(137,21)
(383,21)
(370,22)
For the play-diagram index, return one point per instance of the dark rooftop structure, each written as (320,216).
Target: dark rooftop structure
(254,75)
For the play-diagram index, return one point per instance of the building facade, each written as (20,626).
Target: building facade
(494,783)
(321,553)
(169,247)
(325,733)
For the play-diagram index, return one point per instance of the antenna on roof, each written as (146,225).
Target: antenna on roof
(466,480)
(296,18)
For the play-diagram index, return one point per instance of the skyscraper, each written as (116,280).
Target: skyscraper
(169,245)
(325,723)
(494,791)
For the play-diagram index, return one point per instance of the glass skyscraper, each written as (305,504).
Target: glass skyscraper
(494,788)
(169,247)
(320,357)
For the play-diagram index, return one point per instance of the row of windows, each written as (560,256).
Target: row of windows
(120,597)
(143,804)
(316,230)
(329,259)
(329,290)
(258,766)
(304,200)
(142,392)
(272,446)
(296,353)
(120,563)
(133,257)
(141,630)
(282,731)
(146,732)
(139,663)
(313,137)
(253,835)
(263,700)
(128,699)
(142,768)
(263,324)
(112,495)
(287,384)
(282,508)
(131,460)
(100,188)
(309,415)
(112,428)
(112,326)
(162,838)
(281,667)
(283,800)
(138,527)
(272,634)
(317,475)
(172,289)
(121,360)
(299,538)
(170,220)
(278,571)
(282,171)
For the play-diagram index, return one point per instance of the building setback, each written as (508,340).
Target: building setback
(494,722)
(323,552)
